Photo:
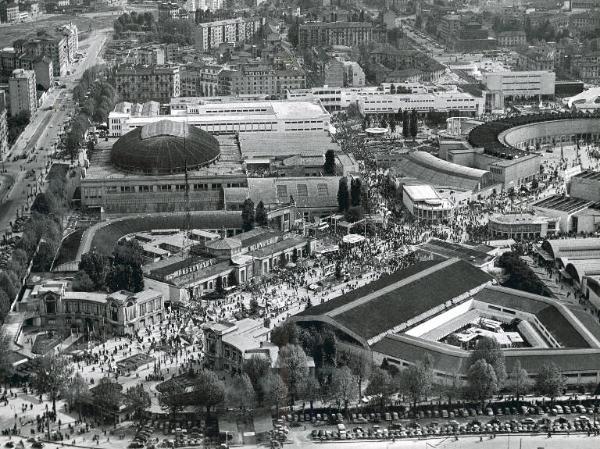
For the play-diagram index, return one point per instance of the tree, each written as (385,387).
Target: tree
(256,368)
(392,125)
(275,390)
(354,214)
(208,390)
(284,335)
(126,270)
(361,365)
(482,381)
(50,375)
(6,367)
(535,184)
(380,384)
(311,390)
(96,266)
(10,284)
(107,396)
(405,125)
(172,397)
(489,350)
(329,165)
(355,191)
(414,124)
(343,388)
(416,380)
(248,218)
(139,400)
(261,214)
(240,392)
(76,392)
(293,366)
(343,196)
(550,381)
(453,389)
(43,204)
(5,303)
(82,282)
(519,382)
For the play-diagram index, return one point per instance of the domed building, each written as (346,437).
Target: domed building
(164,148)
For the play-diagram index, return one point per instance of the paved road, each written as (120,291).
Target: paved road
(39,139)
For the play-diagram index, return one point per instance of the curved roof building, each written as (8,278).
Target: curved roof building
(572,248)
(438,172)
(164,147)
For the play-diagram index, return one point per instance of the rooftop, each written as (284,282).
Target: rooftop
(447,249)
(397,298)
(562,203)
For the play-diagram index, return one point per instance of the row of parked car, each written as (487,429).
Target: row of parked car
(376,417)
(452,428)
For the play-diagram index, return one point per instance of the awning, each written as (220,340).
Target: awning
(258,161)
(566,275)
(544,254)
(353,238)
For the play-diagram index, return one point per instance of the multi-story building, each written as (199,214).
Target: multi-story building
(22,92)
(354,75)
(536,58)
(585,4)
(249,79)
(44,73)
(449,27)
(3,131)
(50,303)
(212,34)
(61,46)
(225,117)
(515,38)
(172,10)
(200,80)
(462,102)
(351,34)
(524,84)
(584,21)
(9,12)
(148,83)
(587,67)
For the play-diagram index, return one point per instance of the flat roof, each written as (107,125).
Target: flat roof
(588,174)
(286,144)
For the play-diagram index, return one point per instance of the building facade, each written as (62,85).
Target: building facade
(523,84)
(262,79)
(148,83)
(212,34)
(50,304)
(351,34)
(22,91)
(3,132)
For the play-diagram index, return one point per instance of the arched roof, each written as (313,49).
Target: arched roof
(572,248)
(436,171)
(164,147)
(577,269)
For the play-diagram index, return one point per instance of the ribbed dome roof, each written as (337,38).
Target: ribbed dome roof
(164,147)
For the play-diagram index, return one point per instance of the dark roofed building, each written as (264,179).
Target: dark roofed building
(164,147)
(398,301)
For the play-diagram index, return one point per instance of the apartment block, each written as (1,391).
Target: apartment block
(148,83)
(200,80)
(172,10)
(3,131)
(60,46)
(522,84)
(352,34)
(212,34)
(21,87)
(511,38)
(260,79)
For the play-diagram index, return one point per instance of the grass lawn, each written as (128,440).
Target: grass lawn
(68,248)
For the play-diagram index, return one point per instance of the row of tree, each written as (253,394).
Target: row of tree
(252,217)
(40,240)
(121,271)
(486,372)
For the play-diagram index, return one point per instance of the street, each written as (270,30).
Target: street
(38,140)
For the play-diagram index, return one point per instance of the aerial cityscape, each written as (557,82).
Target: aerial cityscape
(265,224)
